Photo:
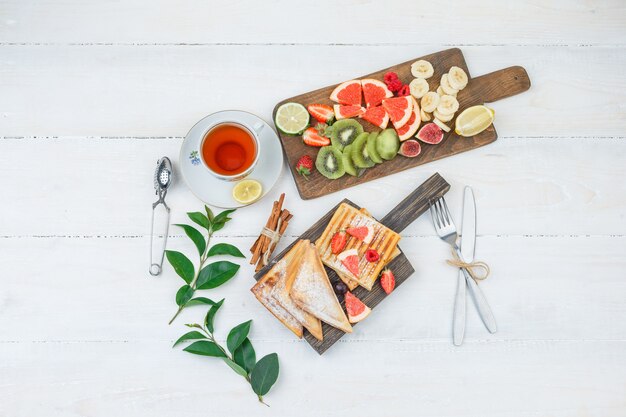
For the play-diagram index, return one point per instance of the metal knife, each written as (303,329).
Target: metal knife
(467,244)
(468,247)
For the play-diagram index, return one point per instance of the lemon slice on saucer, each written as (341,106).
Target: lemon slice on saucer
(474,120)
(292,118)
(247,191)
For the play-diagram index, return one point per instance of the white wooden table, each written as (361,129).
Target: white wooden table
(93,92)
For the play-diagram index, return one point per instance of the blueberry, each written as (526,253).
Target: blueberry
(340,288)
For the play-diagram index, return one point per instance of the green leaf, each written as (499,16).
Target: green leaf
(210,315)
(223,216)
(237,335)
(215,274)
(209,213)
(205,348)
(189,336)
(181,264)
(235,367)
(220,220)
(245,355)
(183,295)
(195,236)
(199,218)
(225,249)
(264,374)
(200,300)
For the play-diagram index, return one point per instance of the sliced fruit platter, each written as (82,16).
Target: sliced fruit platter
(394,119)
(341,268)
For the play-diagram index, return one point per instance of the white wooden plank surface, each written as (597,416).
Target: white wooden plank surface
(91,93)
(324,21)
(163,90)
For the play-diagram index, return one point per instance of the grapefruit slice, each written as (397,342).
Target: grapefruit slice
(364,233)
(345,112)
(399,109)
(409,129)
(347,93)
(376,116)
(350,259)
(374,92)
(357,311)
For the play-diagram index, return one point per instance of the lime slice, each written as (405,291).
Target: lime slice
(292,118)
(474,120)
(247,191)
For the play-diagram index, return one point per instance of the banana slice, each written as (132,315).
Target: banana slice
(443,117)
(457,78)
(424,116)
(442,125)
(430,101)
(446,87)
(447,105)
(422,69)
(418,87)
(443,93)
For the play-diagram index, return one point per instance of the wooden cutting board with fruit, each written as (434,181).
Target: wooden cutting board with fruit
(347,261)
(391,120)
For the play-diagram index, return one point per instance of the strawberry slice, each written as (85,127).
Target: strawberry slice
(350,259)
(364,233)
(312,137)
(323,113)
(357,311)
(338,242)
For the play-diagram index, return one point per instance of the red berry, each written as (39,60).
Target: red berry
(403,91)
(390,76)
(338,242)
(387,281)
(304,166)
(371,255)
(394,85)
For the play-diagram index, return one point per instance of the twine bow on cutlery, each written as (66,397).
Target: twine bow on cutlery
(472,268)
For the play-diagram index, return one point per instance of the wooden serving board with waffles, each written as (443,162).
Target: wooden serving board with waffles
(390,226)
(483,89)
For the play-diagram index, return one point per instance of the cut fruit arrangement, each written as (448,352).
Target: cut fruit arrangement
(345,148)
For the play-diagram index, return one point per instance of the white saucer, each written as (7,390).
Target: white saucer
(218,192)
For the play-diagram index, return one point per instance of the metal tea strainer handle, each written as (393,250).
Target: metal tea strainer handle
(162,181)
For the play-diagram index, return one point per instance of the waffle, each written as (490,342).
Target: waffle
(385,242)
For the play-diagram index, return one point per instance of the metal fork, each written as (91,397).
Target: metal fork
(444,225)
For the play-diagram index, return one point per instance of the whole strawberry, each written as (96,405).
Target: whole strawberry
(387,281)
(304,166)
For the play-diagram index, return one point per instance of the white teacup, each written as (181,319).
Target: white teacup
(253,132)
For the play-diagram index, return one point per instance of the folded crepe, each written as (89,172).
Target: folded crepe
(262,291)
(288,267)
(310,289)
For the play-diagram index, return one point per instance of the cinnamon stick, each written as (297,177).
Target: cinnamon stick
(263,244)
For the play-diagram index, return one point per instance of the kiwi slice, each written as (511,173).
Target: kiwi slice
(345,132)
(387,144)
(371,148)
(329,162)
(348,165)
(360,156)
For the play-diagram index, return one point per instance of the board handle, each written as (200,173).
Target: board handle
(416,203)
(500,84)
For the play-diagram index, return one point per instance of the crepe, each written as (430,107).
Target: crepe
(310,289)
(286,268)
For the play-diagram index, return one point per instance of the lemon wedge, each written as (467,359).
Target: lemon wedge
(247,191)
(474,120)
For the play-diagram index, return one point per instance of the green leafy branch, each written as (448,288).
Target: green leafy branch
(240,356)
(205,276)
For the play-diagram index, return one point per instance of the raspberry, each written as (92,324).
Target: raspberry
(394,85)
(390,76)
(403,91)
